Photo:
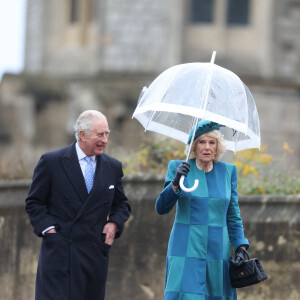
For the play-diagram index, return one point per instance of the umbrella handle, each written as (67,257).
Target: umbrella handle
(188,190)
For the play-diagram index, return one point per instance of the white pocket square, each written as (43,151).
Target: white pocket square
(111,187)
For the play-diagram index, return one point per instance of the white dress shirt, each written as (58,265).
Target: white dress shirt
(81,158)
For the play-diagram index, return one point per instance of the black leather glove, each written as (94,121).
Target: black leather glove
(239,256)
(182,169)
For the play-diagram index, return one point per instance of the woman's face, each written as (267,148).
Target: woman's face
(206,148)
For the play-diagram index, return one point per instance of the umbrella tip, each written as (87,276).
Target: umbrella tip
(213,56)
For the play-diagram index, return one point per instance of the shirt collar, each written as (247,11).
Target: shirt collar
(81,154)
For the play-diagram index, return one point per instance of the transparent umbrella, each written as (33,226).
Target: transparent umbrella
(184,94)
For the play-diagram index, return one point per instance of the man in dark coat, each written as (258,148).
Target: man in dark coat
(77,204)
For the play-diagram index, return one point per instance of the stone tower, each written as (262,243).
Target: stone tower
(76,37)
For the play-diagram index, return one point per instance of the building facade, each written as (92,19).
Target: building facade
(98,54)
(252,38)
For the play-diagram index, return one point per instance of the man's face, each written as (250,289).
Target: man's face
(95,142)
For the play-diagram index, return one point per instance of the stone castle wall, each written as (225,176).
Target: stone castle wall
(286,45)
(137,259)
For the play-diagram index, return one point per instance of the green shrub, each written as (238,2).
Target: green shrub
(153,156)
(258,171)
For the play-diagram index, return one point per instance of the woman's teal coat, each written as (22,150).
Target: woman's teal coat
(207,221)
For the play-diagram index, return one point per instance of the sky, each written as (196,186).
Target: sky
(12,36)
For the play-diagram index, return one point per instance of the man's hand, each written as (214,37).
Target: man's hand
(52,230)
(110,230)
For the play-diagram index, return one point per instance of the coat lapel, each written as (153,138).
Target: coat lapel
(99,183)
(99,179)
(72,168)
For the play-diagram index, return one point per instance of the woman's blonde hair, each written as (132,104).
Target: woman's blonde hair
(221,146)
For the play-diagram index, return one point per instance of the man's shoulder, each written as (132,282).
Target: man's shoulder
(59,152)
(111,159)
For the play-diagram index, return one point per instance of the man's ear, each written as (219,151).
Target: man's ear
(82,135)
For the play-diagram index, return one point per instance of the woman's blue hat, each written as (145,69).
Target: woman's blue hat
(203,127)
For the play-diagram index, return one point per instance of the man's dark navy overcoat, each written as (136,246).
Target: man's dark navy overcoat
(73,263)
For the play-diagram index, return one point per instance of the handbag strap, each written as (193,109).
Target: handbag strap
(246,252)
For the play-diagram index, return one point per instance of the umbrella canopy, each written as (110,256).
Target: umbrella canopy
(186,93)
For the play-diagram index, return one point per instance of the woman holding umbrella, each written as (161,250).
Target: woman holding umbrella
(207,220)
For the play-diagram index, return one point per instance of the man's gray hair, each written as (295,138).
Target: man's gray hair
(85,120)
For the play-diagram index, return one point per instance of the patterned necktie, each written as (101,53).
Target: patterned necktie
(89,173)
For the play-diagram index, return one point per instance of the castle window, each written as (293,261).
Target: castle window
(80,11)
(201,11)
(74,11)
(238,12)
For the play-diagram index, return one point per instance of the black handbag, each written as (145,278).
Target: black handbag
(249,272)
